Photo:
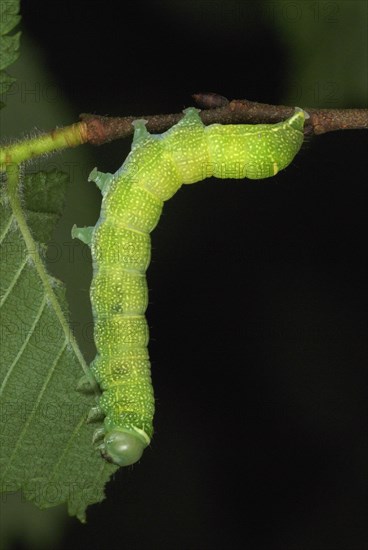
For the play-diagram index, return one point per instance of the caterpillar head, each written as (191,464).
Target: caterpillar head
(123,447)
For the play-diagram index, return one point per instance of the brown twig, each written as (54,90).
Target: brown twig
(101,129)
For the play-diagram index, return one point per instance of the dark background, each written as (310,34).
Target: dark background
(258,312)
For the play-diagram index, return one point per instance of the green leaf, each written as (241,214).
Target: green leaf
(9,17)
(9,44)
(46,448)
(5,82)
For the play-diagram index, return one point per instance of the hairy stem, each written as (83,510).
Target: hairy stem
(60,138)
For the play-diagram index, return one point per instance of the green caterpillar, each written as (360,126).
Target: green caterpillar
(132,202)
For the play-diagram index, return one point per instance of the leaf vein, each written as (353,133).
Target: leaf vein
(13,283)
(24,345)
(7,228)
(39,398)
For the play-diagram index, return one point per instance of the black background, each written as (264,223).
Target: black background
(258,303)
